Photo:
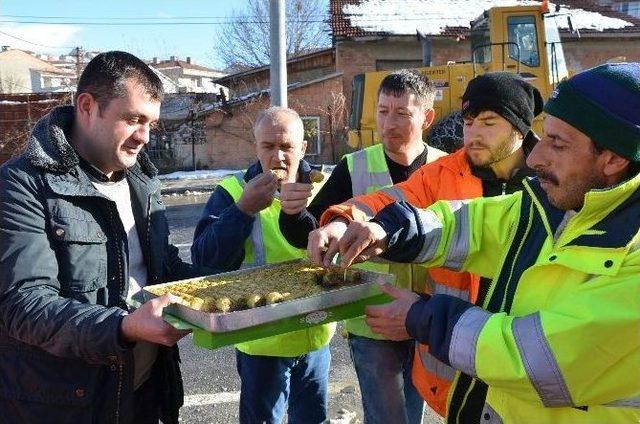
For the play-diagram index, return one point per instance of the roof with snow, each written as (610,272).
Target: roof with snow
(451,18)
(184,64)
(187,106)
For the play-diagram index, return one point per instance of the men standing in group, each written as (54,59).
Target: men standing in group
(82,229)
(498,111)
(404,111)
(239,228)
(557,337)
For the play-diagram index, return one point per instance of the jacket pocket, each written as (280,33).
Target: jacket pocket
(81,249)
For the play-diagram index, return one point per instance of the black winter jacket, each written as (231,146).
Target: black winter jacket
(63,284)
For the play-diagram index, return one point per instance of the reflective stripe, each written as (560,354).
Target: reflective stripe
(433,287)
(362,207)
(435,366)
(240,177)
(464,339)
(451,291)
(395,193)
(257,243)
(432,225)
(539,362)
(459,248)
(625,403)
(361,178)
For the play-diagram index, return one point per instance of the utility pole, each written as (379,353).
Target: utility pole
(278,53)
(78,54)
(192,118)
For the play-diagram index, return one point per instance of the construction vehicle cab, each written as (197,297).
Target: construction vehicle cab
(519,39)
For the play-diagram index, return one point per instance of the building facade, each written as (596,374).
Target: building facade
(369,35)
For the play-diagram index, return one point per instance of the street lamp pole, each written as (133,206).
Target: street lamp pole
(278,53)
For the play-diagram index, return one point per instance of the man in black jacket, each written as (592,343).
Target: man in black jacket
(82,229)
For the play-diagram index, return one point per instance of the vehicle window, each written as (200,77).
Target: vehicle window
(522,32)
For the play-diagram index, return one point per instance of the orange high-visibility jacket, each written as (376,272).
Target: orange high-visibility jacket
(448,178)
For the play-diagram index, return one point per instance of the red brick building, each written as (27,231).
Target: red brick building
(318,101)
(315,91)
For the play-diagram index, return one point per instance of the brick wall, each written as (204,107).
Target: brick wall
(584,53)
(18,115)
(230,138)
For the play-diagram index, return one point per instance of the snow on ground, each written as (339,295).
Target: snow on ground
(432,17)
(198,175)
(208,174)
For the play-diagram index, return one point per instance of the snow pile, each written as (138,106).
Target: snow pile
(404,17)
(198,175)
(24,102)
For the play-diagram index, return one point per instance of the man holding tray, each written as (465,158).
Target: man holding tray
(82,229)
(239,228)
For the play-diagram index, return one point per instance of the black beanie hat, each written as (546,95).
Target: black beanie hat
(506,94)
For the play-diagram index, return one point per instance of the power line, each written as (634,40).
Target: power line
(159,18)
(219,20)
(145,23)
(305,21)
(310,17)
(35,44)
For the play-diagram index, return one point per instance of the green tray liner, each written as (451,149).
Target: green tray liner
(205,339)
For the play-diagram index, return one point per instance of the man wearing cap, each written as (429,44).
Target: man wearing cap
(498,110)
(557,337)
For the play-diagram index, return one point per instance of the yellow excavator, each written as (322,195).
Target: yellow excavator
(519,39)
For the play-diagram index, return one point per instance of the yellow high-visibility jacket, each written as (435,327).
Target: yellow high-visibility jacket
(557,339)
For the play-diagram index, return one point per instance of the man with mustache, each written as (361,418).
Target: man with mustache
(82,229)
(498,110)
(557,337)
(404,111)
(239,228)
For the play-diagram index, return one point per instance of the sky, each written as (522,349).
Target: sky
(145,41)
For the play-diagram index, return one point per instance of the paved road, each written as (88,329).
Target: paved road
(212,387)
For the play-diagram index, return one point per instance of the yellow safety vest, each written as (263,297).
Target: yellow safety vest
(267,245)
(369,172)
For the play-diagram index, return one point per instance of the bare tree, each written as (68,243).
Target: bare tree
(244,42)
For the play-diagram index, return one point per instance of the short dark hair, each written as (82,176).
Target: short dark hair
(405,81)
(106,74)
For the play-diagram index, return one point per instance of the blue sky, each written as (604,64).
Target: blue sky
(145,41)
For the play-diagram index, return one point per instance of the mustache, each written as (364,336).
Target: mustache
(547,176)
(475,145)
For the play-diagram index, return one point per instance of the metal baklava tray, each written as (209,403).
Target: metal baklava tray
(369,286)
